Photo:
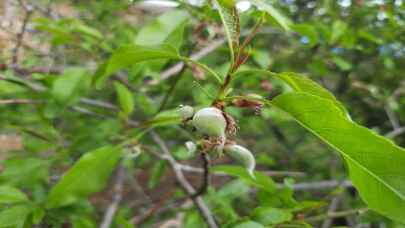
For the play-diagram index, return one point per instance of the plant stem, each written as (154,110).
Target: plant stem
(336,214)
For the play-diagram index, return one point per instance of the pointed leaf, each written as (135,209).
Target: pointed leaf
(129,55)
(87,176)
(125,98)
(261,180)
(301,83)
(271,216)
(14,216)
(273,12)
(10,194)
(230,20)
(166,25)
(376,165)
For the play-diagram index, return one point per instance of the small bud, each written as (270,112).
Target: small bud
(210,121)
(186,111)
(243,156)
(191,147)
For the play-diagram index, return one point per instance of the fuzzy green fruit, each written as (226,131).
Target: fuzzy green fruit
(243,156)
(210,121)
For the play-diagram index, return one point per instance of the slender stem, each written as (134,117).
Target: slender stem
(116,199)
(205,67)
(20,35)
(247,40)
(171,90)
(206,175)
(336,214)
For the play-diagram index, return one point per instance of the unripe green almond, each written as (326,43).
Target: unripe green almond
(186,112)
(243,156)
(210,121)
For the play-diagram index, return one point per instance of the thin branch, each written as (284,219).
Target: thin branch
(98,103)
(28,71)
(171,90)
(116,199)
(18,101)
(184,184)
(206,175)
(395,133)
(153,210)
(333,206)
(321,185)
(391,117)
(336,214)
(20,36)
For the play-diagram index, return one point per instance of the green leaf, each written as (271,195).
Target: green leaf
(249,224)
(10,194)
(87,176)
(163,28)
(125,98)
(14,216)
(230,20)
(87,30)
(261,180)
(283,21)
(342,63)
(176,38)
(66,88)
(338,30)
(129,55)
(156,173)
(271,216)
(376,165)
(25,172)
(300,83)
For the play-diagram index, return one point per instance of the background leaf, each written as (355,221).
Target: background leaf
(67,88)
(271,216)
(163,28)
(10,194)
(129,55)
(283,21)
(125,98)
(260,180)
(14,216)
(88,175)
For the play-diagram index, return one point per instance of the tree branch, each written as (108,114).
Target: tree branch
(336,214)
(206,175)
(321,185)
(116,198)
(28,12)
(184,184)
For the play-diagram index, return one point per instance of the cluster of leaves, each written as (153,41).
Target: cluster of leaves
(82,123)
